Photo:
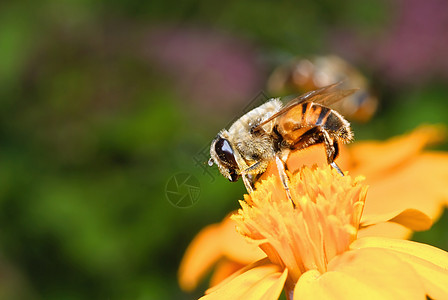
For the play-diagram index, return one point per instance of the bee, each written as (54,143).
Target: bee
(302,75)
(271,131)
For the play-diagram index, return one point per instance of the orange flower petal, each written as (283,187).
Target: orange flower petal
(434,278)
(261,262)
(338,285)
(373,158)
(423,251)
(234,246)
(411,218)
(419,184)
(362,274)
(430,263)
(211,244)
(263,281)
(387,229)
(201,255)
(224,269)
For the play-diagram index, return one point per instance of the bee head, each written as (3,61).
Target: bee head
(223,155)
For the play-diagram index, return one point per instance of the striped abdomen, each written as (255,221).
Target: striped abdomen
(294,125)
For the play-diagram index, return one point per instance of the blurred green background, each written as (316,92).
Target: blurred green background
(103,102)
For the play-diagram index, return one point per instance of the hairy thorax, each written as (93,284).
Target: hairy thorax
(255,147)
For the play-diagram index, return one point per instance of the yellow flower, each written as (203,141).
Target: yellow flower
(312,248)
(404,180)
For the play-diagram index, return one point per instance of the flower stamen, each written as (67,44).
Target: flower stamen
(306,230)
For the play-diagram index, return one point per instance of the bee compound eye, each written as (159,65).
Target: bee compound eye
(225,153)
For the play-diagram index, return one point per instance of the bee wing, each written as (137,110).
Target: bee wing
(330,98)
(321,96)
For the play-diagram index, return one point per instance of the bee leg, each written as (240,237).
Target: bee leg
(335,166)
(253,167)
(332,151)
(248,179)
(284,177)
(247,183)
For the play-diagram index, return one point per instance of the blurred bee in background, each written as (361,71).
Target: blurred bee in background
(271,131)
(302,75)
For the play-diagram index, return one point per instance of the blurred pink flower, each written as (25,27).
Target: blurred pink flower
(208,66)
(413,48)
